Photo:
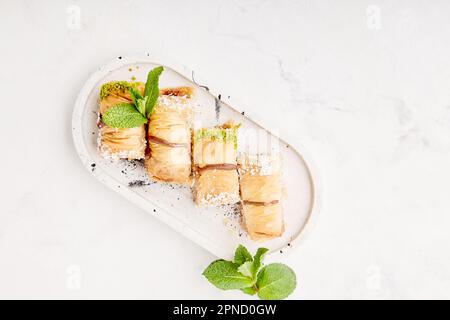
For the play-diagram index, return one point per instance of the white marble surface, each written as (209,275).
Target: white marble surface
(368,97)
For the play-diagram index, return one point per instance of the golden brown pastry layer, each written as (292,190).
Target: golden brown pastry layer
(187,92)
(263,222)
(129,143)
(123,143)
(169,136)
(216,187)
(261,194)
(258,188)
(168,164)
(214,156)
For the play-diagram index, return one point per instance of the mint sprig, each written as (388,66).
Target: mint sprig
(275,281)
(136,114)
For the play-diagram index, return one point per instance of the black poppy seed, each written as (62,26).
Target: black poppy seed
(243,113)
(138,183)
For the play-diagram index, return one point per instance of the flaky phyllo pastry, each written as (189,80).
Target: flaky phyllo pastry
(126,143)
(215,166)
(261,195)
(169,137)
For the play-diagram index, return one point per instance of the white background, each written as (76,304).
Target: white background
(365,86)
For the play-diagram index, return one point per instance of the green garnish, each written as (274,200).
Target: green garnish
(138,100)
(112,87)
(152,90)
(217,133)
(225,275)
(124,115)
(275,281)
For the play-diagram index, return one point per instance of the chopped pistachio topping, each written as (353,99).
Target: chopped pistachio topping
(117,86)
(218,133)
(113,87)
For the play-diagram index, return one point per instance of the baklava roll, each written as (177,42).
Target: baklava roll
(169,137)
(215,165)
(127,143)
(261,193)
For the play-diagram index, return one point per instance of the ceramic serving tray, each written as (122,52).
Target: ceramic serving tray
(218,230)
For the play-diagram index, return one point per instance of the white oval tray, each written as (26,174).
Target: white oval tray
(216,229)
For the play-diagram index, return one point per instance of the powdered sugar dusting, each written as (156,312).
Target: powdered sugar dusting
(260,164)
(219,199)
(175,102)
(108,154)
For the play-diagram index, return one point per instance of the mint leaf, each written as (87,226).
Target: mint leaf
(135,95)
(138,100)
(140,105)
(224,275)
(275,281)
(257,261)
(242,255)
(152,89)
(246,268)
(250,290)
(123,115)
